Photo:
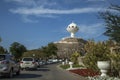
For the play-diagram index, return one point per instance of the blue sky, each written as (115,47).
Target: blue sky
(35,23)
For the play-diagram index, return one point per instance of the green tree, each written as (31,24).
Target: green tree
(74,57)
(0,39)
(94,52)
(50,50)
(2,50)
(44,49)
(112,21)
(17,50)
(36,53)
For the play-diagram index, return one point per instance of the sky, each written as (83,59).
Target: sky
(35,23)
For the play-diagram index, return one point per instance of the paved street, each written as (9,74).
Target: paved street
(48,72)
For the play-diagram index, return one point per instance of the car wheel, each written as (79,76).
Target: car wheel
(18,72)
(10,74)
(22,69)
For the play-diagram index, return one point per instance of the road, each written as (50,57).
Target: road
(47,72)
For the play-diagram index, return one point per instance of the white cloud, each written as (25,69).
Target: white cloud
(39,11)
(23,2)
(26,19)
(47,8)
(92,30)
(16,1)
(95,0)
(33,3)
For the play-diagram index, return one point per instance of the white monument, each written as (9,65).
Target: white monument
(72,28)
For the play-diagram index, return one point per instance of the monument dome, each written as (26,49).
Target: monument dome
(68,45)
(72,28)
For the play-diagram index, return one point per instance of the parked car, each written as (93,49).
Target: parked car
(55,60)
(8,66)
(28,63)
(49,61)
(37,62)
(42,62)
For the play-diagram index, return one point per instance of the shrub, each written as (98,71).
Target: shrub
(74,57)
(66,66)
(95,52)
(101,51)
(103,78)
(77,65)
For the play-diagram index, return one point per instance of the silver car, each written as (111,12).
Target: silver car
(8,66)
(28,63)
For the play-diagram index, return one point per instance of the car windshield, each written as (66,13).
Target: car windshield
(28,59)
(2,57)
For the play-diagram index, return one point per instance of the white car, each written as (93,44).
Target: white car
(28,63)
(8,66)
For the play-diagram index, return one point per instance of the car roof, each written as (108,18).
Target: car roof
(6,54)
(27,57)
